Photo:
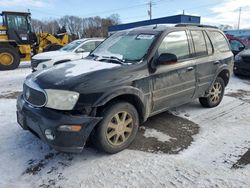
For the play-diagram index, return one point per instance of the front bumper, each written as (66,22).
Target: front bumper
(37,120)
(242,68)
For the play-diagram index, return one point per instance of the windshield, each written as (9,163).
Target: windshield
(125,46)
(71,46)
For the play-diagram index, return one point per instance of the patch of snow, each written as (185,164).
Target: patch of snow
(84,66)
(13,80)
(160,136)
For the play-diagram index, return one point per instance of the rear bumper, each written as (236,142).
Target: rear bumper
(37,120)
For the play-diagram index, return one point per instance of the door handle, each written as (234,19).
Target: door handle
(216,62)
(190,69)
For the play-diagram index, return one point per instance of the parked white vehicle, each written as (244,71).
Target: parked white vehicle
(75,50)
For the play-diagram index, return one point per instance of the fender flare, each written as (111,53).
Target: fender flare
(224,67)
(144,98)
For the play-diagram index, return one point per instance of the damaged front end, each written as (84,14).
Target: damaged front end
(63,131)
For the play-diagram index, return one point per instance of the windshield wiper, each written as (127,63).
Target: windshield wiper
(116,59)
(93,55)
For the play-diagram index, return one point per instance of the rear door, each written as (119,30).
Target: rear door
(206,64)
(173,84)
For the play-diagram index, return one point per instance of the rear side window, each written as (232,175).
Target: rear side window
(209,45)
(220,41)
(199,43)
(175,43)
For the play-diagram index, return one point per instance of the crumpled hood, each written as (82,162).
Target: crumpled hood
(53,54)
(69,74)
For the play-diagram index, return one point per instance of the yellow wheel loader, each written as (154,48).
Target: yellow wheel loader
(18,42)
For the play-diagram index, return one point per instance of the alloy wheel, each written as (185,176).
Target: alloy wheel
(215,92)
(119,128)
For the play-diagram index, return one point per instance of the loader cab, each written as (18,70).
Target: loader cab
(18,26)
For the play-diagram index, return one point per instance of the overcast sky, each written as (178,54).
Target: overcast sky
(211,11)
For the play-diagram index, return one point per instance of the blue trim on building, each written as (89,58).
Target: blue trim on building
(164,20)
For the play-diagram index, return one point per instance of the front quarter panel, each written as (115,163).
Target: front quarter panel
(99,88)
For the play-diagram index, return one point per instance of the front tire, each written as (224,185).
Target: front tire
(9,58)
(118,128)
(215,95)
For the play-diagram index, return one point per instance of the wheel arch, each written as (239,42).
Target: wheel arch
(8,43)
(132,96)
(224,74)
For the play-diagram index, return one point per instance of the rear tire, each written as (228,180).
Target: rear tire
(117,129)
(9,58)
(215,94)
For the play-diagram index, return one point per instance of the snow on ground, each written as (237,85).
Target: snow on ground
(153,133)
(13,80)
(207,162)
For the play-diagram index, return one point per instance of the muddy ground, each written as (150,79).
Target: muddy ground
(179,129)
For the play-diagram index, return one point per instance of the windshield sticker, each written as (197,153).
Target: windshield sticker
(145,37)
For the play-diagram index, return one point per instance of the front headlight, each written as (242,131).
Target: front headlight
(238,58)
(61,99)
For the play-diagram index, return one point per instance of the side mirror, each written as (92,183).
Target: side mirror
(166,59)
(241,48)
(80,50)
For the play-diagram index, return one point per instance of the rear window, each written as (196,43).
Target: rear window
(220,41)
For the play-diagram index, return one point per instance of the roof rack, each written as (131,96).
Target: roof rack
(195,25)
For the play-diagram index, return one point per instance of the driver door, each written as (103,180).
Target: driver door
(173,84)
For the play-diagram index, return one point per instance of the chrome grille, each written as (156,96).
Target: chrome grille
(34,96)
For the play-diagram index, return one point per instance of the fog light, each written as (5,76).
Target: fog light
(49,134)
(70,128)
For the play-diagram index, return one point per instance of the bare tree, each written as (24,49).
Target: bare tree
(78,27)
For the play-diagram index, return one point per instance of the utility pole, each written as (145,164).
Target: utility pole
(150,10)
(183,12)
(239,18)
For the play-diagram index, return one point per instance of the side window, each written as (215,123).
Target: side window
(209,44)
(236,45)
(17,22)
(220,41)
(88,46)
(199,43)
(175,43)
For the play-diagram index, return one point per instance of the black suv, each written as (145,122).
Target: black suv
(242,63)
(132,75)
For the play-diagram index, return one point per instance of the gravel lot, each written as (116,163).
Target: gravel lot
(188,146)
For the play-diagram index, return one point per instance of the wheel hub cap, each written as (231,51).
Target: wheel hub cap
(215,92)
(119,128)
(6,58)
